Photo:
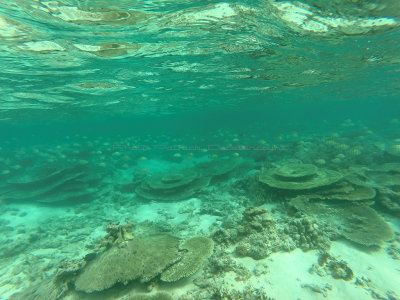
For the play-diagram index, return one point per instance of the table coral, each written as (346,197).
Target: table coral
(198,249)
(298,176)
(140,258)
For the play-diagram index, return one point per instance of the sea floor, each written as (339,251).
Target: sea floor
(41,237)
(269,242)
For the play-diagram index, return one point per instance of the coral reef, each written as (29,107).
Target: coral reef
(358,223)
(296,176)
(218,167)
(307,234)
(344,190)
(258,234)
(172,186)
(305,179)
(182,184)
(47,289)
(143,259)
(54,183)
(197,250)
(386,179)
(243,232)
(57,286)
(254,190)
(139,258)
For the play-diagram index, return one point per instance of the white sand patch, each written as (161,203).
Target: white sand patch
(176,213)
(377,266)
(287,275)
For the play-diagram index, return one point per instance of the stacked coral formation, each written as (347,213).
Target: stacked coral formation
(312,191)
(386,179)
(317,183)
(177,185)
(295,176)
(54,183)
(182,184)
(358,223)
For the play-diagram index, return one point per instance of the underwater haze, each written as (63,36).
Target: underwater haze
(199,150)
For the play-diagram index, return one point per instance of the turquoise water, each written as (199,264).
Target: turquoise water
(199,149)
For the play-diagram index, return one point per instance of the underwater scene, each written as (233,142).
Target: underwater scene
(179,150)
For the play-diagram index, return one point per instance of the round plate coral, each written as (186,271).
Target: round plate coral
(295,171)
(300,180)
